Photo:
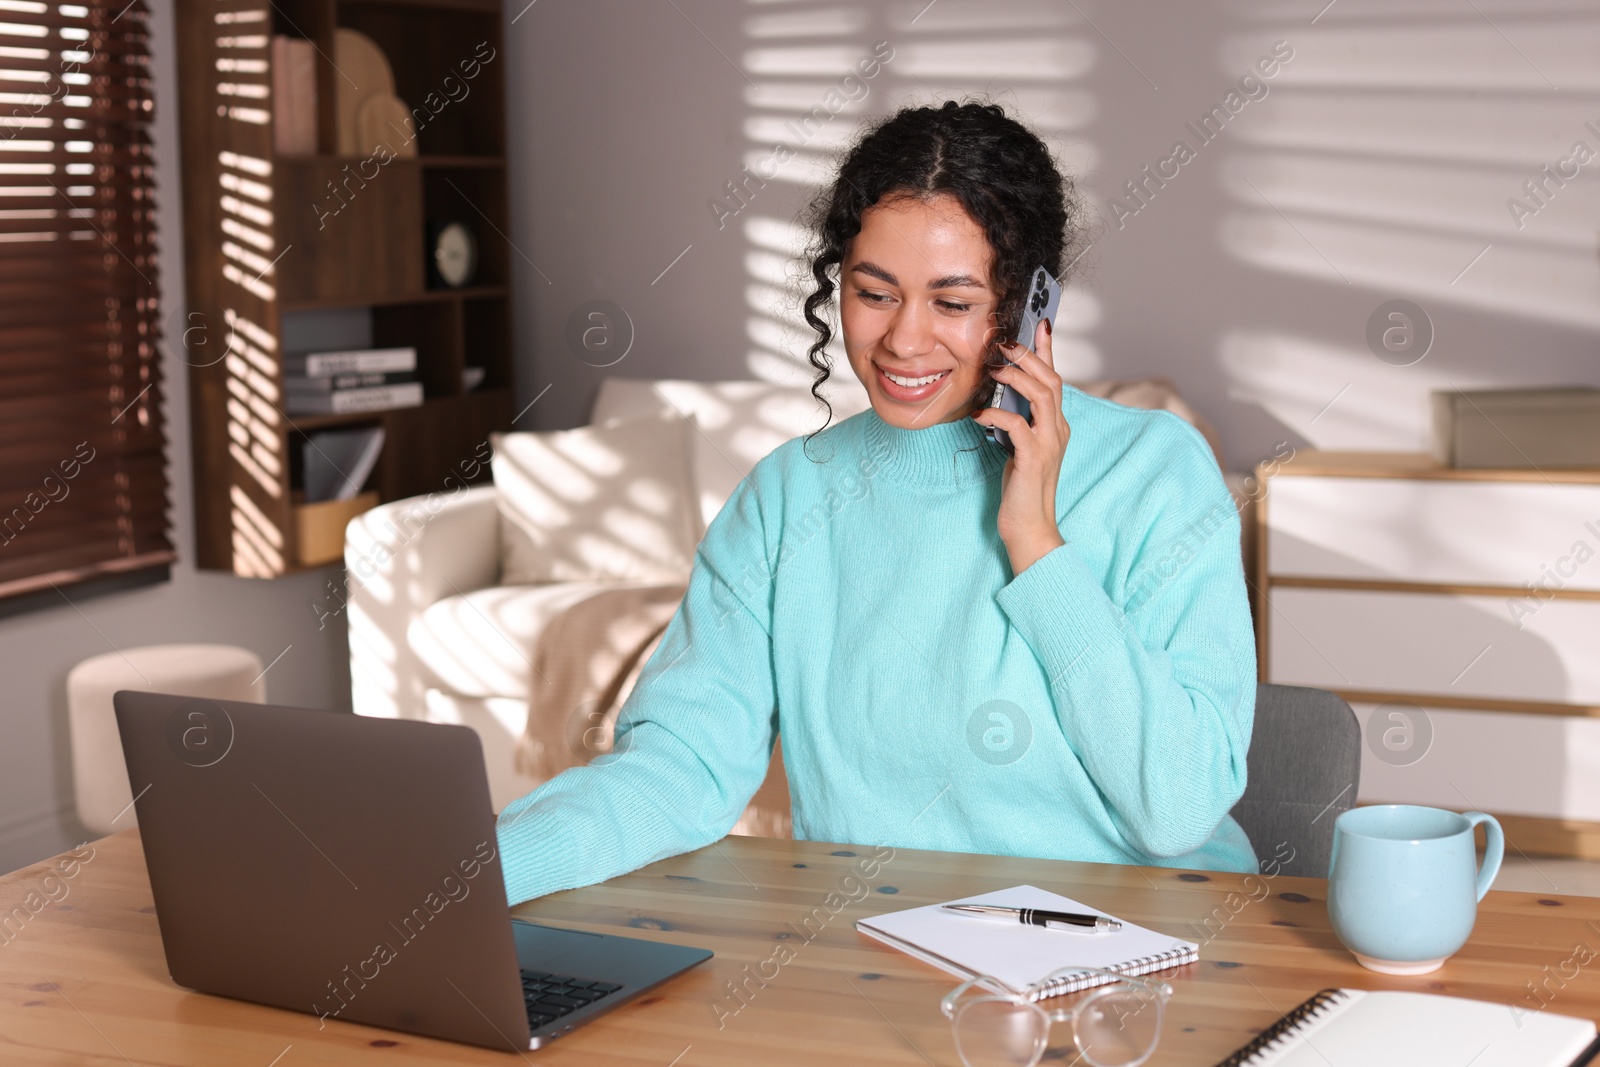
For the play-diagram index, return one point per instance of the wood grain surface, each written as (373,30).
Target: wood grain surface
(83,979)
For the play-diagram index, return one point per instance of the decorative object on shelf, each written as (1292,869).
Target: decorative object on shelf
(1517,429)
(294,89)
(340,383)
(452,255)
(383,120)
(366,78)
(472,377)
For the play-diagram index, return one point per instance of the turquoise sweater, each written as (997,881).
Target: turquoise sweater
(858,601)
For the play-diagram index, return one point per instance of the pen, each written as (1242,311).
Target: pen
(1039,917)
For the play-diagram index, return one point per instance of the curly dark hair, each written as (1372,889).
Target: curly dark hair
(998,169)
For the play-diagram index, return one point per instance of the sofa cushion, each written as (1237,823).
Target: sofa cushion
(478,644)
(613,501)
(736,422)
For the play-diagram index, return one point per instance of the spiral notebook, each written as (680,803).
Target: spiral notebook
(1357,1028)
(1018,956)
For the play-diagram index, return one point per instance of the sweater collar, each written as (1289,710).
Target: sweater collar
(946,455)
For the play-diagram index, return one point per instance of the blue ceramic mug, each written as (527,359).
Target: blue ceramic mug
(1404,884)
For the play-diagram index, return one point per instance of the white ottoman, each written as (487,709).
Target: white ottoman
(100,778)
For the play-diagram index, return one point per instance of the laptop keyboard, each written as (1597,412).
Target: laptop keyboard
(550,996)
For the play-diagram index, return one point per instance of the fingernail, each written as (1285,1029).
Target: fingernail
(1047,327)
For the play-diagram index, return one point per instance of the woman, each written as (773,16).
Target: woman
(1049,655)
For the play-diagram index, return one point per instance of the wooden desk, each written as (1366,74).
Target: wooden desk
(85,981)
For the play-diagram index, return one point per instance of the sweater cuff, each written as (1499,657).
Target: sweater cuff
(543,848)
(1062,612)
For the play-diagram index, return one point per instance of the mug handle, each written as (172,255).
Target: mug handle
(1494,848)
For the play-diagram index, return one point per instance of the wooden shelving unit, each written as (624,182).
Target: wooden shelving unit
(247,208)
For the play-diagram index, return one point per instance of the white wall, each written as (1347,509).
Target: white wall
(1377,167)
(38,648)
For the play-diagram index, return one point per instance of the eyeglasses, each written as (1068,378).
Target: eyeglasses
(1113,1025)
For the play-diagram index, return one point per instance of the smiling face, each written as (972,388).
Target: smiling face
(917,308)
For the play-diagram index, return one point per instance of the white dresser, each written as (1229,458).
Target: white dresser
(1459,614)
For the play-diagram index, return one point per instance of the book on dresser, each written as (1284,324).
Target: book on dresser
(339,383)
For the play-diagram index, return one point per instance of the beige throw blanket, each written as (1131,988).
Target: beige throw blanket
(586,661)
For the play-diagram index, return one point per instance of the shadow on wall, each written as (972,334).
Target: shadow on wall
(813,75)
(1444,154)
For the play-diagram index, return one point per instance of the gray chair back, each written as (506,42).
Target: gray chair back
(1305,770)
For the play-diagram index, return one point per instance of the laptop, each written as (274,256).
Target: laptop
(347,867)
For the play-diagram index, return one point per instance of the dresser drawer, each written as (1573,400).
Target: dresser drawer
(1538,765)
(1434,643)
(1449,532)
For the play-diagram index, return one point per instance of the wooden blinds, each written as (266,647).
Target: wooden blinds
(83,489)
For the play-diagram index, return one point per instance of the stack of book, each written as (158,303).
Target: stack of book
(339,383)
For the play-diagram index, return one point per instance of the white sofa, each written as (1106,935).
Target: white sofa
(432,634)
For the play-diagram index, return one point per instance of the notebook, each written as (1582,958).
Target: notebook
(1356,1028)
(1018,956)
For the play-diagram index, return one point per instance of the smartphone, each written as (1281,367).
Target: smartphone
(1044,300)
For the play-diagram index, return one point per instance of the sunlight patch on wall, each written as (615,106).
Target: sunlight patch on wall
(1552,284)
(1016,60)
(811,91)
(1450,47)
(810,22)
(1497,130)
(1419,195)
(1335,397)
(1385,161)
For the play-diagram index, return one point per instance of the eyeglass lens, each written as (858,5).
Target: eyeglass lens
(998,1033)
(1116,1027)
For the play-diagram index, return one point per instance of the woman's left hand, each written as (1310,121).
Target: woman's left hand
(1028,484)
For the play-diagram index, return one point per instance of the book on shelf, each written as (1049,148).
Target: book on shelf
(294,91)
(349,401)
(334,383)
(358,361)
